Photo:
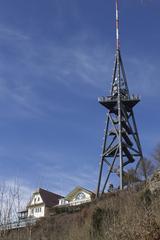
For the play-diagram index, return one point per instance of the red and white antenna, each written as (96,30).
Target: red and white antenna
(117,26)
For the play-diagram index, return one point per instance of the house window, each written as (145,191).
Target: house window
(80,196)
(38,199)
(32,211)
(37,210)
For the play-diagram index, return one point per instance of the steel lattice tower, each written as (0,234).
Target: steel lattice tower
(121,140)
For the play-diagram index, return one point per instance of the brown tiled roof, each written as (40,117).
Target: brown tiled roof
(50,199)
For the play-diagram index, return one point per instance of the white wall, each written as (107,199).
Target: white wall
(36,199)
(37,211)
(36,208)
(62,201)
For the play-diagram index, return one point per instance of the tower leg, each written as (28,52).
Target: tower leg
(120,120)
(102,158)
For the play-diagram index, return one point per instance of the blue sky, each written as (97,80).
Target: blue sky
(56,58)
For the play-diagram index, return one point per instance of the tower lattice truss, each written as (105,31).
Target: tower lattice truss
(121,139)
(121,146)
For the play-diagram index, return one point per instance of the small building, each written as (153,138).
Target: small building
(40,202)
(78,196)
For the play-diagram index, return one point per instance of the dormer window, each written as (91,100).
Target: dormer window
(38,199)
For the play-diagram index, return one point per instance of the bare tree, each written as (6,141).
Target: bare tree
(130,177)
(145,169)
(156,155)
(9,203)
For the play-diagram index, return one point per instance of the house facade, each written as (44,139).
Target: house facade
(36,207)
(78,196)
(39,204)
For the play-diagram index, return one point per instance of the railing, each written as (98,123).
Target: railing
(77,202)
(105,99)
(18,224)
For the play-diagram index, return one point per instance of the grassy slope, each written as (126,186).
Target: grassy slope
(128,215)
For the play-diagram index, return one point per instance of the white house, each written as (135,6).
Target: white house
(40,202)
(78,196)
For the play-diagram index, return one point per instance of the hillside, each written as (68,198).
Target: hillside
(130,214)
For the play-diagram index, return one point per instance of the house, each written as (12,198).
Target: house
(78,196)
(39,204)
(42,200)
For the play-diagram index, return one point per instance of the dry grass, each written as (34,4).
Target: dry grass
(126,215)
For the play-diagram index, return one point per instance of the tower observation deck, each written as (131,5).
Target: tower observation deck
(121,145)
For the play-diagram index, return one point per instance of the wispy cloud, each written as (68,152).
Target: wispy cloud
(74,65)
(142,76)
(11,34)
(43,67)
(64,180)
(55,171)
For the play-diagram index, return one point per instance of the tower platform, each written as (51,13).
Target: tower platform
(111,103)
